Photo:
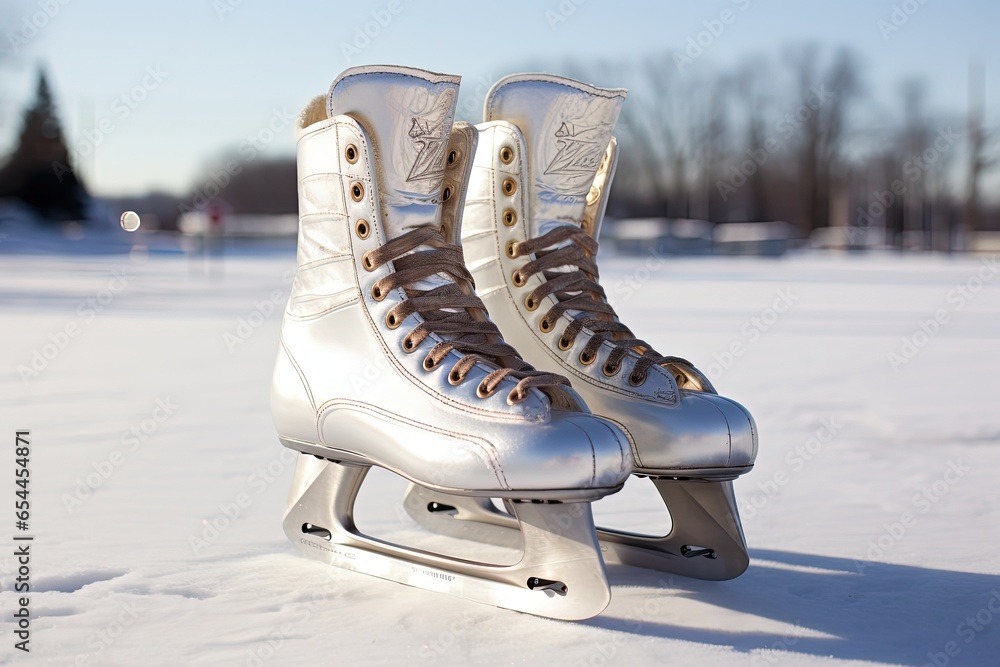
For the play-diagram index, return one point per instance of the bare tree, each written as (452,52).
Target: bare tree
(824,96)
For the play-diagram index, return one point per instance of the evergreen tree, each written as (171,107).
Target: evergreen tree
(39,171)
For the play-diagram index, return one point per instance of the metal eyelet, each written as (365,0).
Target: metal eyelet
(366,261)
(362,229)
(611,371)
(509,218)
(565,343)
(377,292)
(357,191)
(636,380)
(454,378)
(509,186)
(408,345)
(512,399)
(429,364)
(506,155)
(351,153)
(545,326)
(481,390)
(511,249)
(518,278)
(587,358)
(392,321)
(531,303)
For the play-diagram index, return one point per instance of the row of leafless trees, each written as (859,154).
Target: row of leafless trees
(798,136)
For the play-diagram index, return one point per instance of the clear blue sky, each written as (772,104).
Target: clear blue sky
(228,72)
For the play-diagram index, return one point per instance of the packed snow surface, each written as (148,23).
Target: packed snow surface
(158,485)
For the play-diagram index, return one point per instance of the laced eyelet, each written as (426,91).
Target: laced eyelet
(351,153)
(454,378)
(391,320)
(452,158)
(513,398)
(481,391)
(362,229)
(509,186)
(506,155)
(545,326)
(429,364)
(565,343)
(509,218)
(377,292)
(610,370)
(587,358)
(635,379)
(512,249)
(357,191)
(531,303)
(518,278)
(366,261)
(408,345)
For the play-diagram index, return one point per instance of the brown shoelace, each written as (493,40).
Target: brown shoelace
(452,311)
(578,290)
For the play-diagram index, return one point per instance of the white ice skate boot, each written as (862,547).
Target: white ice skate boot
(536,199)
(387,358)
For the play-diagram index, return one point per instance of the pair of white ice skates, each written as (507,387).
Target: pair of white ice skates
(447,258)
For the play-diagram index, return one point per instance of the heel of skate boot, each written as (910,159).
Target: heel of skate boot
(560,573)
(705,542)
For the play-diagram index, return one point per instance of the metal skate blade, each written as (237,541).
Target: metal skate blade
(560,574)
(705,541)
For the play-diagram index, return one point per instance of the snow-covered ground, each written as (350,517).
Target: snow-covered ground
(873,514)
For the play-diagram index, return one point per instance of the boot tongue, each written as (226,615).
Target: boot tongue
(408,115)
(567,126)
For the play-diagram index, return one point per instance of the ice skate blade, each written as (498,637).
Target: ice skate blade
(536,495)
(560,575)
(705,542)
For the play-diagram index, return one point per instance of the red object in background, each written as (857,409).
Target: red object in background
(216,215)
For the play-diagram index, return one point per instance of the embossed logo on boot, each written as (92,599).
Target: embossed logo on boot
(432,144)
(580,149)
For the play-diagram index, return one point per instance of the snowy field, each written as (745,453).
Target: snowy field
(157,484)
